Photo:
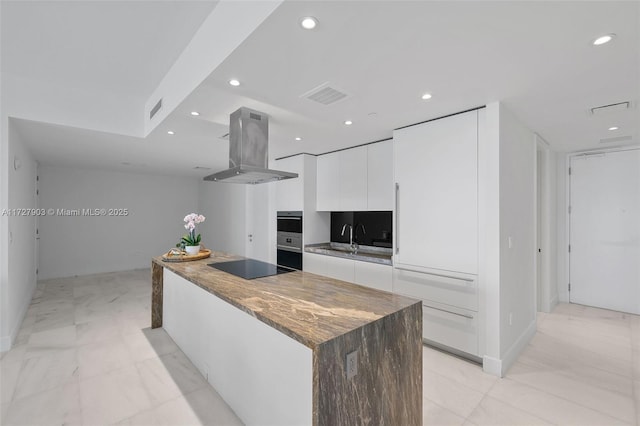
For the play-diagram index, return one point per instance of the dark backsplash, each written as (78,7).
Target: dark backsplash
(376,224)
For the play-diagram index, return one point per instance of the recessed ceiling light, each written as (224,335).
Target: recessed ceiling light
(613,128)
(170,132)
(234,82)
(195,113)
(308,22)
(426,96)
(603,39)
(348,122)
(298,138)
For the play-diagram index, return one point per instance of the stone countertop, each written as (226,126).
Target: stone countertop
(379,255)
(309,308)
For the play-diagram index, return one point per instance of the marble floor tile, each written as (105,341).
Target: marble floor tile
(549,407)
(46,372)
(144,418)
(97,331)
(9,373)
(612,403)
(60,406)
(433,414)
(148,343)
(102,357)
(51,341)
(133,324)
(201,407)
(113,397)
(170,376)
(462,371)
(493,412)
(449,394)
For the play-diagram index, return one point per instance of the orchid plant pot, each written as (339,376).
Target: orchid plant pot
(192,249)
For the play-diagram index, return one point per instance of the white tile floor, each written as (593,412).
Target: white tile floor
(86,355)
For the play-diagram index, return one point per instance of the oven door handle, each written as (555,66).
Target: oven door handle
(288,218)
(289,248)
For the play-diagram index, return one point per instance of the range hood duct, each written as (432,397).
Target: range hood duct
(248,151)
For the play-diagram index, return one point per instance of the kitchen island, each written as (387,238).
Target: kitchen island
(295,348)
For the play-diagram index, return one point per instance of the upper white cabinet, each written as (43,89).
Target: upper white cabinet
(328,183)
(436,172)
(356,179)
(380,176)
(290,192)
(353,179)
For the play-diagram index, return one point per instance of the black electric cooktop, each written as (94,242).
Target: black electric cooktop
(250,268)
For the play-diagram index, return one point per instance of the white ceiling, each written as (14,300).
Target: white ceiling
(113,46)
(536,57)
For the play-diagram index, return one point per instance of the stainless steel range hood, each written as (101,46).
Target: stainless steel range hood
(248,151)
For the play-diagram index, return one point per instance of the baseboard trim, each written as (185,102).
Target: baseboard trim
(499,367)
(491,365)
(516,349)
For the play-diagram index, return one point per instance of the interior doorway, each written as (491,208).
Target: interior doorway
(604,229)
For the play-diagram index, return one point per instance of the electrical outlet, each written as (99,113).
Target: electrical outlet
(352,364)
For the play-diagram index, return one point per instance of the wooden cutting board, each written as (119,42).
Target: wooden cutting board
(184,257)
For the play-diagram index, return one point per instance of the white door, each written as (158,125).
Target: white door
(260,223)
(605,230)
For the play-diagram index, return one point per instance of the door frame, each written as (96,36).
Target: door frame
(545,299)
(567,201)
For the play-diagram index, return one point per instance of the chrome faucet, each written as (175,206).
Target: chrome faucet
(344,228)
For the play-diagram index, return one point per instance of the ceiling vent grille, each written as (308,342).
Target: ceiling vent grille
(618,107)
(325,94)
(616,139)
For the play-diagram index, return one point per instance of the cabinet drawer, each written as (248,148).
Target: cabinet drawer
(453,327)
(373,275)
(450,290)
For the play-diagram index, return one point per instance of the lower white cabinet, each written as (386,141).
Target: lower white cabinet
(314,263)
(373,275)
(449,306)
(450,326)
(340,269)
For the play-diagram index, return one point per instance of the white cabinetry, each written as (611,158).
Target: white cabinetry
(374,275)
(328,183)
(436,226)
(380,176)
(368,274)
(436,172)
(353,179)
(340,269)
(356,179)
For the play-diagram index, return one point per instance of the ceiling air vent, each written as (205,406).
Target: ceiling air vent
(616,139)
(155,109)
(619,107)
(325,94)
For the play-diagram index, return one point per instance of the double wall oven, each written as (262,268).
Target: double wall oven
(289,239)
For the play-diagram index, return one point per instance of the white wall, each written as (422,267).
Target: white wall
(518,224)
(506,207)
(20,271)
(72,245)
(224,205)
